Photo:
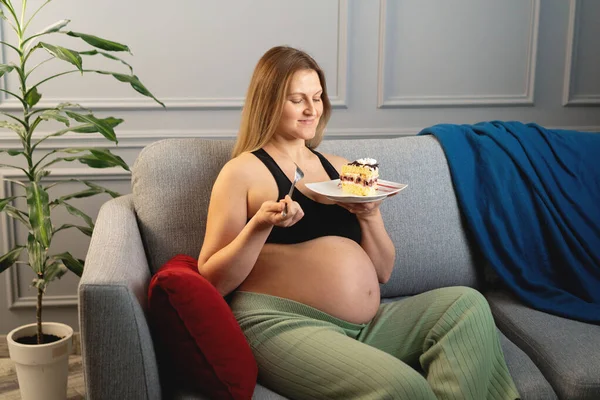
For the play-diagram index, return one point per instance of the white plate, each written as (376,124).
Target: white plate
(333,191)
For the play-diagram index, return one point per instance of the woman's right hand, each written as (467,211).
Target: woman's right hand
(271,213)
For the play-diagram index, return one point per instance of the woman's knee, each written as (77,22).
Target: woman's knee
(475,298)
(473,306)
(471,292)
(468,303)
(470,296)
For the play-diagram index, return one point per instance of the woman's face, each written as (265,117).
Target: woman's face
(303,106)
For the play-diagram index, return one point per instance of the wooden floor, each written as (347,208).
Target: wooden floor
(9,386)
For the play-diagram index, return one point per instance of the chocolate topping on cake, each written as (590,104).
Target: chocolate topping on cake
(365,162)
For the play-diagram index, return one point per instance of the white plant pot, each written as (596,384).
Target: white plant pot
(42,370)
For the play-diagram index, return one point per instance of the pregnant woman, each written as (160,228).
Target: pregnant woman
(304,283)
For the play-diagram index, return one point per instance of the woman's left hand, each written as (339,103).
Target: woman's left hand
(362,209)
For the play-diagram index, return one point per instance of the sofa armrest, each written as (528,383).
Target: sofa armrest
(117,351)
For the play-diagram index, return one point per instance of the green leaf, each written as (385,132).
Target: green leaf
(134,82)
(97,158)
(54,271)
(3,16)
(39,213)
(88,128)
(13,166)
(64,54)
(8,259)
(10,7)
(37,254)
(20,121)
(55,115)
(4,68)
(86,230)
(79,195)
(32,97)
(12,152)
(16,182)
(103,189)
(100,43)
(107,55)
(59,107)
(62,106)
(103,158)
(103,127)
(17,215)
(57,26)
(97,188)
(85,128)
(41,174)
(74,265)
(78,213)
(13,127)
(4,202)
(93,162)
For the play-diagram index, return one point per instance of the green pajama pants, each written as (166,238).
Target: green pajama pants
(441,344)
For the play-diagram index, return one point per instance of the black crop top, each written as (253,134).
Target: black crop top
(319,219)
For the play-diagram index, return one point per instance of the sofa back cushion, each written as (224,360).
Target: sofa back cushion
(172,180)
(423,220)
(171,184)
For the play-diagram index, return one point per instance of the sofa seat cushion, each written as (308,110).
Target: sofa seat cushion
(566,351)
(198,341)
(529,380)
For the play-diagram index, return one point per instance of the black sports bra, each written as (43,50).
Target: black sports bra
(319,219)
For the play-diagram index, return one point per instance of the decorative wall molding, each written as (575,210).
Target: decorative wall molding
(15,299)
(569,98)
(129,139)
(134,139)
(527,98)
(338,100)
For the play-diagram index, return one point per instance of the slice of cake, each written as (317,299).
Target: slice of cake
(360,177)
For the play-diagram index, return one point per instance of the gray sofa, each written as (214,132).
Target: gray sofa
(548,356)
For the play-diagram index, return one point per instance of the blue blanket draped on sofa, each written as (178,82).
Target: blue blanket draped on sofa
(531,200)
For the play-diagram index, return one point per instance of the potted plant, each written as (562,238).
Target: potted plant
(39,347)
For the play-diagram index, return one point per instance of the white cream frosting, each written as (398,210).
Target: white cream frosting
(368,161)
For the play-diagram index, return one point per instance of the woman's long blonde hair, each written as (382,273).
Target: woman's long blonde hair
(266,96)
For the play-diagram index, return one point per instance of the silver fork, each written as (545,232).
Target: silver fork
(298,175)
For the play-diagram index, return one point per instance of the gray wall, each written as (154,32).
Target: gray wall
(393,68)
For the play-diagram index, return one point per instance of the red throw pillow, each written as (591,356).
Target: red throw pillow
(198,342)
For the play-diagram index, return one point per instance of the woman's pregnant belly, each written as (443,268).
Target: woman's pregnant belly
(331,273)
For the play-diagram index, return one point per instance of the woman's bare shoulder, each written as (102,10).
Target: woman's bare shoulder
(241,168)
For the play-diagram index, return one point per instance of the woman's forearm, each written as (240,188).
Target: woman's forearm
(377,244)
(229,267)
